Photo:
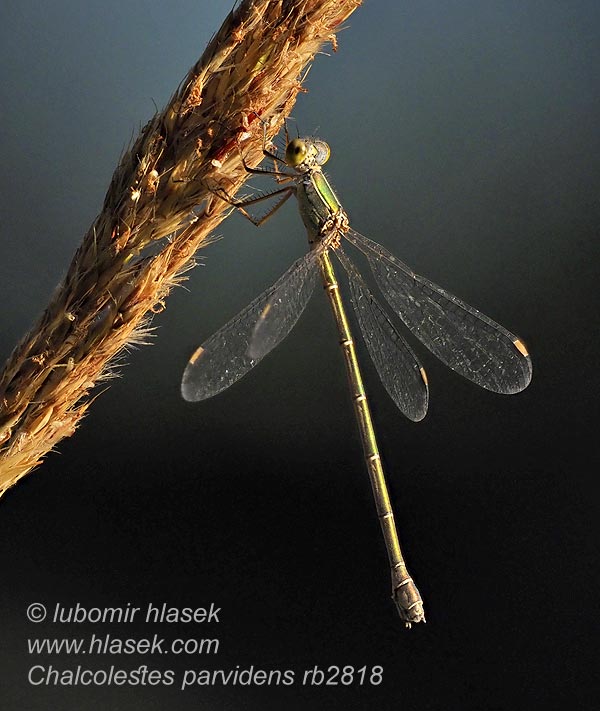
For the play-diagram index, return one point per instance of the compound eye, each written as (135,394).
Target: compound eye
(296,152)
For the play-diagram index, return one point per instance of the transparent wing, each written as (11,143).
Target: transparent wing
(242,343)
(459,335)
(397,365)
(285,305)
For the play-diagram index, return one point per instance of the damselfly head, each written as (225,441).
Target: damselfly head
(303,153)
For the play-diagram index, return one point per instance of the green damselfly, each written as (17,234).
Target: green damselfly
(459,335)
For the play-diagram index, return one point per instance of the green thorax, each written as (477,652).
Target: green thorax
(317,202)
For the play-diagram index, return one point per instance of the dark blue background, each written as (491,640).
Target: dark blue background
(464,138)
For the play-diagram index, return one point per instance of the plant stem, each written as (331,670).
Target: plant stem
(159,208)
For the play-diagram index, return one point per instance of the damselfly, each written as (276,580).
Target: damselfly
(466,340)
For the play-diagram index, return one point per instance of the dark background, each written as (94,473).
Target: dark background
(464,138)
